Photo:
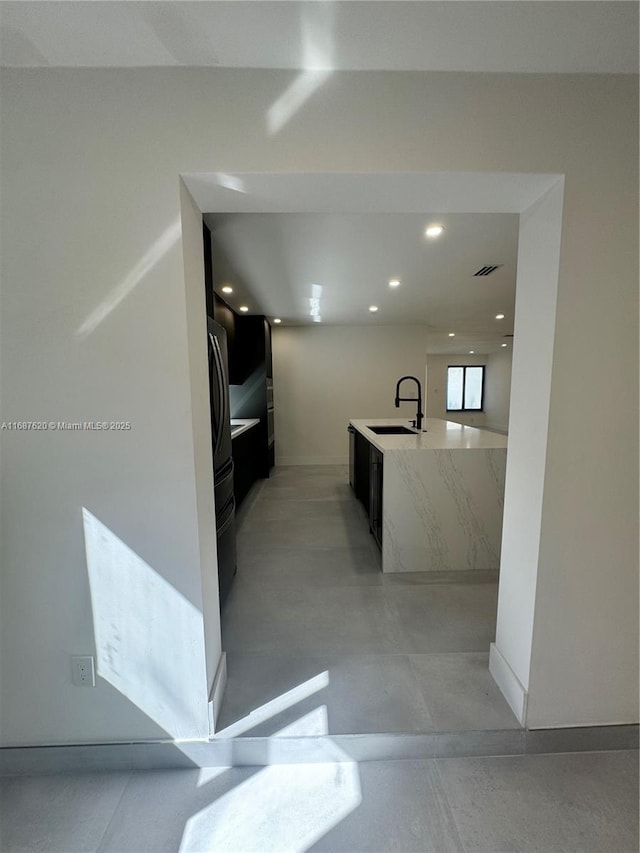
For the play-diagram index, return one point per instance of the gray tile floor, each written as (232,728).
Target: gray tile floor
(585,802)
(400,653)
(318,640)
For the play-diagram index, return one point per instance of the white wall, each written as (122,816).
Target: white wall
(94,327)
(326,375)
(90,165)
(201,426)
(526,460)
(498,389)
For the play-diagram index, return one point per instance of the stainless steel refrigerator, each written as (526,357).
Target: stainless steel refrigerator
(225,504)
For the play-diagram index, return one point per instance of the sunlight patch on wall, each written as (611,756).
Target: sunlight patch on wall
(317,63)
(288,104)
(148,636)
(147,262)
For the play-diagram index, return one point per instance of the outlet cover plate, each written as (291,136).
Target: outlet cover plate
(83,671)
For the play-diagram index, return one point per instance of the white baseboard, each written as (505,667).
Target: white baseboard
(509,685)
(217,692)
(312,460)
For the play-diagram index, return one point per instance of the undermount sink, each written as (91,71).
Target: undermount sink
(392,430)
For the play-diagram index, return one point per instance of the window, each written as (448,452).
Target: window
(465,387)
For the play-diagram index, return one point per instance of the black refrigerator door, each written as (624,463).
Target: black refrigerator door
(222,461)
(219,394)
(226,539)
(223,489)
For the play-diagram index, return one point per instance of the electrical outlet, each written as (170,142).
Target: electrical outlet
(83,672)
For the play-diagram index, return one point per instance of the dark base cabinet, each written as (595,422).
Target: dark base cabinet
(365,476)
(245,449)
(375,494)
(362,469)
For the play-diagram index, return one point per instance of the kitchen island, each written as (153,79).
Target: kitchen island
(435,497)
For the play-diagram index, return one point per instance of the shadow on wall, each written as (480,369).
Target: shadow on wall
(277,807)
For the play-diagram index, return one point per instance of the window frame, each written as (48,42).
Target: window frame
(464,367)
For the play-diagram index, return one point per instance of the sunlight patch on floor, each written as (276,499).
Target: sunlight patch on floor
(276,706)
(284,808)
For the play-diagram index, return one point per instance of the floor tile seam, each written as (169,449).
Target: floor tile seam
(320,656)
(336,500)
(264,586)
(420,688)
(331,652)
(442,786)
(256,585)
(300,546)
(125,787)
(402,583)
(585,751)
(448,654)
(418,692)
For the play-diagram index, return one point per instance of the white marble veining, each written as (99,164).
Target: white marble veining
(238,425)
(443,494)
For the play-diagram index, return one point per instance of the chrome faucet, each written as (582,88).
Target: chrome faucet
(418,421)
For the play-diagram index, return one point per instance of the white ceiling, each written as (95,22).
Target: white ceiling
(278,262)
(516,36)
(275,258)
(349,233)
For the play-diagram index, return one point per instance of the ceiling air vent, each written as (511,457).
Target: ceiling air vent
(487,270)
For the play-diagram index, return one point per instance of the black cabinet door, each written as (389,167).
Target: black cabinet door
(247,459)
(375,494)
(268,357)
(224,315)
(352,457)
(208,271)
(362,469)
(250,352)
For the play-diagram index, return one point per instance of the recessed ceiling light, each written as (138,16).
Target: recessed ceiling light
(434,230)
(227,289)
(277,320)
(499,316)
(373,308)
(471,352)
(244,309)
(503,345)
(452,334)
(394,282)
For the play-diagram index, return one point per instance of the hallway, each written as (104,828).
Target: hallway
(403,653)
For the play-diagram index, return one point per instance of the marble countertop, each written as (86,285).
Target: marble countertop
(439,435)
(238,426)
